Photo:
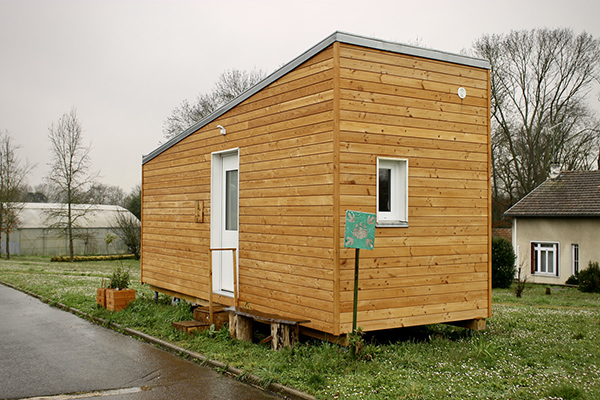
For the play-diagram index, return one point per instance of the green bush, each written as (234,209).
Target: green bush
(93,258)
(573,280)
(589,278)
(503,263)
(120,279)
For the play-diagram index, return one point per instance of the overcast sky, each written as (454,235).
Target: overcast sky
(125,65)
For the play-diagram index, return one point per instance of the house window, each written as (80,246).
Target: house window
(544,258)
(392,192)
(574,259)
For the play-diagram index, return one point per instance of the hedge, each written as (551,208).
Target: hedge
(94,258)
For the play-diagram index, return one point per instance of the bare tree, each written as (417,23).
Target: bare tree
(38,194)
(13,174)
(540,82)
(128,228)
(230,85)
(99,193)
(69,173)
(234,82)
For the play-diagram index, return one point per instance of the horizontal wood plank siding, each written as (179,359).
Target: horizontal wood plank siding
(398,106)
(286,201)
(308,148)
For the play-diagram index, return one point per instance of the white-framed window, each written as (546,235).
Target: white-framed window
(392,192)
(574,258)
(544,260)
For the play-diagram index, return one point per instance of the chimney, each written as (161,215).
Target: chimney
(554,171)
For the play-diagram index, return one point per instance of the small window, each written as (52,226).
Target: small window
(574,259)
(544,259)
(231,200)
(392,192)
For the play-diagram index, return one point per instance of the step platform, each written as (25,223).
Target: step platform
(284,330)
(190,326)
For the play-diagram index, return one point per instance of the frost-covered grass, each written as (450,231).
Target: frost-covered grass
(536,347)
(64,282)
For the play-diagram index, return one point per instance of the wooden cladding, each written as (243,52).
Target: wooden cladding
(437,269)
(308,146)
(284,138)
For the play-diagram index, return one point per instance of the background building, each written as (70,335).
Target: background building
(36,234)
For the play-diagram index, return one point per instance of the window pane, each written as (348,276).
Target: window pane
(385,189)
(575,258)
(231,200)
(543,261)
(550,262)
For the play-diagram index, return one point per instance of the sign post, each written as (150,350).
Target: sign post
(359,234)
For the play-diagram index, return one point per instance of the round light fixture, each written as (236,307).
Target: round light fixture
(462,92)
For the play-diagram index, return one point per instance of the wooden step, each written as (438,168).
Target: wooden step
(190,326)
(220,316)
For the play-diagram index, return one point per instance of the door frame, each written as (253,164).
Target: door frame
(216,223)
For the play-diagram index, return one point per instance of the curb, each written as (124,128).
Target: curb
(237,373)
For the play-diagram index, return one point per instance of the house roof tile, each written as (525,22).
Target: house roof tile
(571,194)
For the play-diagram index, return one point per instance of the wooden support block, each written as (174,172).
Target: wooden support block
(474,324)
(284,335)
(232,327)
(190,326)
(240,327)
(341,340)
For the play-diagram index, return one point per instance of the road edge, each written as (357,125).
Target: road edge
(236,373)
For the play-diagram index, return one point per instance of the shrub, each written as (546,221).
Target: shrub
(93,258)
(589,278)
(120,279)
(521,281)
(503,263)
(573,280)
(128,228)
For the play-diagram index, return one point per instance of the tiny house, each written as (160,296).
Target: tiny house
(353,123)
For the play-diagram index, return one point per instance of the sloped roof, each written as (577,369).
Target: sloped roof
(341,37)
(36,215)
(571,194)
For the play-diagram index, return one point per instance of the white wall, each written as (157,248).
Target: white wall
(582,231)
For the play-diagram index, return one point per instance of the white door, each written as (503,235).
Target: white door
(224,224)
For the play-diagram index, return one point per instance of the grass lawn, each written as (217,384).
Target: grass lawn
(536,347)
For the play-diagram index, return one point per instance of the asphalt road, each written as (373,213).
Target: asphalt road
(52,354)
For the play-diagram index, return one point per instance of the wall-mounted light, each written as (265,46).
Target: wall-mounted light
(223,131)
(462,92)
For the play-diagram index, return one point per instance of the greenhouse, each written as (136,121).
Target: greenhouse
(39,233)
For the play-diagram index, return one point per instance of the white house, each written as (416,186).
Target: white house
(556,227)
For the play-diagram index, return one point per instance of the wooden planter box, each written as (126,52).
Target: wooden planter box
(101,297)
(116,300)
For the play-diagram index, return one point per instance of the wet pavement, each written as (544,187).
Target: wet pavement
(46,352)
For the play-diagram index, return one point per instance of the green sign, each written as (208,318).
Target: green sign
(360,230)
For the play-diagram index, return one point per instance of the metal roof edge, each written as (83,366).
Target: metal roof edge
(242,97)
(337,36)
(396,47)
